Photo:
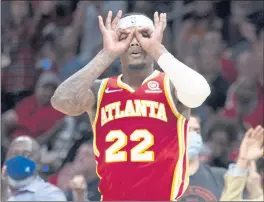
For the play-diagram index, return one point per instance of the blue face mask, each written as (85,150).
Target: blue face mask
(195,144)
(45,64)
(20,171)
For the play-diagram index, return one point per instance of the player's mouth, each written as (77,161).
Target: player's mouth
(136,53)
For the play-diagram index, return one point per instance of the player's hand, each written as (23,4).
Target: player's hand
(154,38)
(111,36)
(252,146)
(78,186)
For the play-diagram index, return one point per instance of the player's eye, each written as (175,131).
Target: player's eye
(122,37)
(145,34)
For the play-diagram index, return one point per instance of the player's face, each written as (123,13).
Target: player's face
(135,57)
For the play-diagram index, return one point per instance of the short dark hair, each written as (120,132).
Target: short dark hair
(257,19)
(219,123)
(133,13)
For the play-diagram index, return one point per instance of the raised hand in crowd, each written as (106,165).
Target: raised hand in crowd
(251,147)
(78,186)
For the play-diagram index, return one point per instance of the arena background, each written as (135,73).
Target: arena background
(223,40)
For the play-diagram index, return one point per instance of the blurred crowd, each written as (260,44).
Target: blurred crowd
(45,42)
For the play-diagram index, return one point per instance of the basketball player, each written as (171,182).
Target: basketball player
(139,117)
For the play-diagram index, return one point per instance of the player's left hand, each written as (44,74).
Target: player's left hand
(150,39)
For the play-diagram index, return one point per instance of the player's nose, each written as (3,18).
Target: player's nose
(134,42)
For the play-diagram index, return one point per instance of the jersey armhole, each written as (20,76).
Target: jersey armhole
(168,95)
(99,98)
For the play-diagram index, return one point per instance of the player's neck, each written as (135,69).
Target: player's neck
(135,78)
(194,166)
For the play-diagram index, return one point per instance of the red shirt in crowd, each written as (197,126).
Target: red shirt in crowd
(35,119)
(253,119)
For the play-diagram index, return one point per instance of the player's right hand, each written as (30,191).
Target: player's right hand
(111,36)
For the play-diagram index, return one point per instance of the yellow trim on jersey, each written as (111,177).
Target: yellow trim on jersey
(99,100)
(178,171)
(169,98)
(187,175)
(123,85)
(152,76)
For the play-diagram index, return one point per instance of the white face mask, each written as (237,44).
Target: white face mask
(195,144)
(17,184)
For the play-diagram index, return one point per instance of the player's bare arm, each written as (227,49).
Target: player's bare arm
(78,93)
(191,88)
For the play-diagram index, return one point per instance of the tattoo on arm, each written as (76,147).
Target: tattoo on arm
(76,95)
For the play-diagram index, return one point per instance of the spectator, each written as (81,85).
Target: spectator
(38,119)
(245,103)
(67,43)
(78,187)
(221,136)
(83,165)
(21,173)
(210,68)
(21,41)
(56,151)
(91,35)
(206,183)
(241,174)
(251,29)
(201,20)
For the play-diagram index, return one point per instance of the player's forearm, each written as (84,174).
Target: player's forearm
(74,95)
(192,88)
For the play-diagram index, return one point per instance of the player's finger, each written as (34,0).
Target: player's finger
(108,20)
(117,18)
(156,19)
(101,24)
(163,21)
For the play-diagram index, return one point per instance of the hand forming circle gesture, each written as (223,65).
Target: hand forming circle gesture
(154,37)
(111,35)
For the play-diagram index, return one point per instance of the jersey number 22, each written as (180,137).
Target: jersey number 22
(139,153)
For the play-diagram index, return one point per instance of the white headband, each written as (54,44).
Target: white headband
(135,21)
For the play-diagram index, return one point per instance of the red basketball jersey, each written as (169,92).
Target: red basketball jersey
(140,141)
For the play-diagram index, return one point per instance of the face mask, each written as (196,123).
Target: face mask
(20,171)
(195,144)
(45,64)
